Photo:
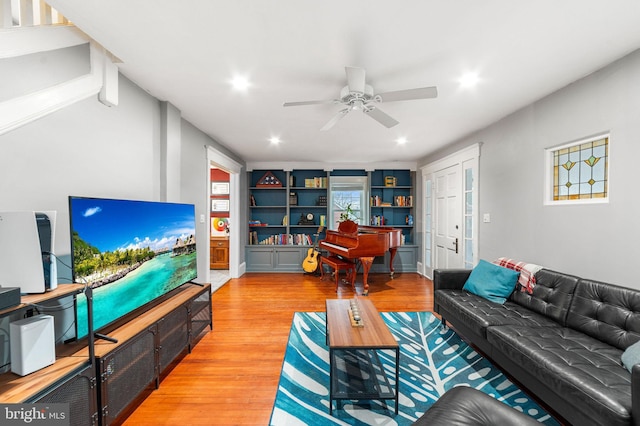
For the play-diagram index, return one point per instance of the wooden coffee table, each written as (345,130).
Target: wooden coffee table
(356,372)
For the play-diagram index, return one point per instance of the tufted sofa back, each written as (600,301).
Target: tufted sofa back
(606,312)
(551,296)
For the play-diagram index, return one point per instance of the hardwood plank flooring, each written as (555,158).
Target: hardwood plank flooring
(231,376)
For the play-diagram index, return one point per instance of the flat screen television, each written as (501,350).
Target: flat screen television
(130,253)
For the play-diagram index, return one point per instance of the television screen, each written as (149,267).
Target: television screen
(130,253)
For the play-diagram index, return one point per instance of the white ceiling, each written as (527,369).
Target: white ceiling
(186,52)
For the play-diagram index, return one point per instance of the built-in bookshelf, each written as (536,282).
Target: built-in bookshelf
(289,210)
(391,201)
(286,209)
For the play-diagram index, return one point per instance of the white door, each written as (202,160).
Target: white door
(448,217)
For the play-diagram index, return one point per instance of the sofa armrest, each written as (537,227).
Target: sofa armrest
(635,394)
(452,279)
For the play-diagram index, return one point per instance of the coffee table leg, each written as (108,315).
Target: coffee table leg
(397,377)
(330,382)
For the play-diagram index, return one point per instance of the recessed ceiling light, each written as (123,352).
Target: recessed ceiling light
(401,140)
(274,140)
(240,83)
(469,80)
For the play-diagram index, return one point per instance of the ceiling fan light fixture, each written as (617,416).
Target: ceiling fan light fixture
(357,95)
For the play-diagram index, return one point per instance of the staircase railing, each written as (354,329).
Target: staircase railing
(28,13)
(32,26)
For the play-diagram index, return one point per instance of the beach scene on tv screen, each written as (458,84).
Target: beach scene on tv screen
(130,253)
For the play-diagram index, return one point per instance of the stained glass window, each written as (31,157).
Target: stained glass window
(581,170)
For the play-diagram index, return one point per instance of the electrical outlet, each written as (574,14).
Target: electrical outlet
(486,218)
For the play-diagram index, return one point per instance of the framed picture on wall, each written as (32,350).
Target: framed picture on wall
(219,205)
(219,188)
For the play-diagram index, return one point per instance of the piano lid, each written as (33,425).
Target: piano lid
(348,227)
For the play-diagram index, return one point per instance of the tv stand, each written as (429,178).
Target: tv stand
(146,346)
(105,337)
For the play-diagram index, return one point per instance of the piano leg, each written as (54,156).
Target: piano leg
(392,255)
(366,265)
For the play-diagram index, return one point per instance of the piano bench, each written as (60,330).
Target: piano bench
(337,265)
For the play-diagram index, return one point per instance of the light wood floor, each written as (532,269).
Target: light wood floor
(231,376)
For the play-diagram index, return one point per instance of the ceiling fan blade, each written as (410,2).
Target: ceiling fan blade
(335,119)
(381,117)
(355,79)
(301,103)
(408,95)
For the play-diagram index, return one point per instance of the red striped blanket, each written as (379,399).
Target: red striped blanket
(527,279)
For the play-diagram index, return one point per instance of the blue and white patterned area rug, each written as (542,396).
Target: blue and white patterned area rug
(432,360)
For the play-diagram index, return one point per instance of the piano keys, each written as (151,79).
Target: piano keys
(364,243)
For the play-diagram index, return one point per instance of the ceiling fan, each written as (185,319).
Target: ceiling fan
(357,95)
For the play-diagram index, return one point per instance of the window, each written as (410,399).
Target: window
(345,191)
(469,214)
(579,172)
(428,216)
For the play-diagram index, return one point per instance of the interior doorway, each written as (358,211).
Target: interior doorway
(450,211)
(219,226)
(224,206)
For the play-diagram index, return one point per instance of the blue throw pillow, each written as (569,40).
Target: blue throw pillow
(493,282)
(631,356)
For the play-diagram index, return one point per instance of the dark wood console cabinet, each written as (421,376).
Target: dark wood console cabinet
(100,392)
(146,346)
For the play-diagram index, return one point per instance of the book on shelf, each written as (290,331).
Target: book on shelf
(377,220)
(315,182)
(403,201)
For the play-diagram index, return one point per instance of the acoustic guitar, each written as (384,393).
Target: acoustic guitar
(310,263)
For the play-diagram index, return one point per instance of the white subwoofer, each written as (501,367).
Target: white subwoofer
(32,344)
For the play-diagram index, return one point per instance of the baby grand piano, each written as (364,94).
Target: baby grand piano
(363,243)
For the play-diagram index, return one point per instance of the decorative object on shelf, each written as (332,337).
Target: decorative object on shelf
(252,200)
(269,180)
(292,180)
(409,220)
(219,188)
(323,220)
(322,201)
(307,219)
(390,181)
(293,199)
(285,220)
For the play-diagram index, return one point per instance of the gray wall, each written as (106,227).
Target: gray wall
(89,149)
(597,241)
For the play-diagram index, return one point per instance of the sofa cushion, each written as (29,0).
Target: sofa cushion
(551,295)
(606,312)
(478,313)
(582,371)
(493,282)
